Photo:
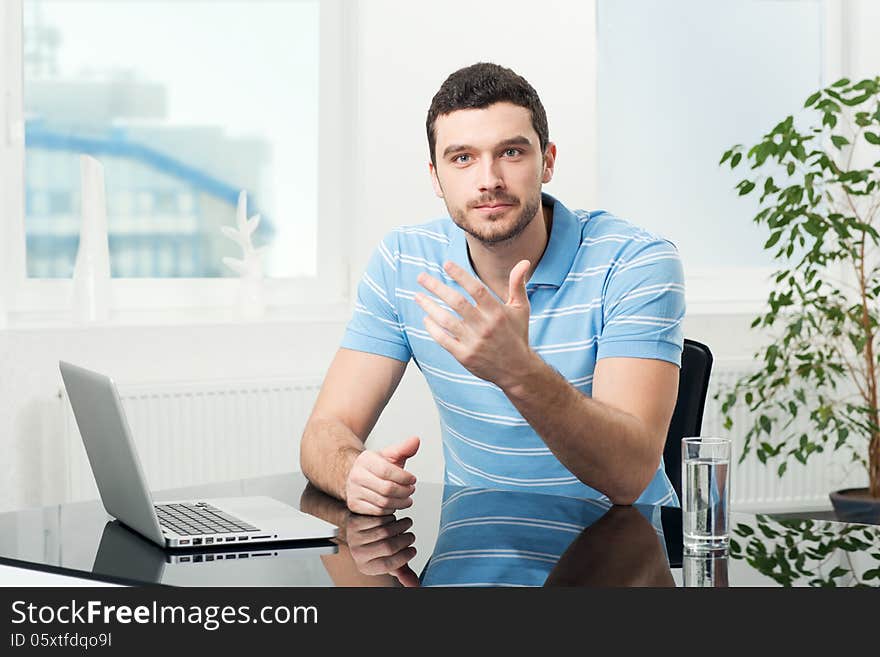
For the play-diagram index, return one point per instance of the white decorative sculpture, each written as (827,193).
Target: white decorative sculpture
(91,273)
(250,266)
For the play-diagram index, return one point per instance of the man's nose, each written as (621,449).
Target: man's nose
(490,175)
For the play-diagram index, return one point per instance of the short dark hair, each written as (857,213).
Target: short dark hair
(480,85)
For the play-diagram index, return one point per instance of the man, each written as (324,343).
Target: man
(551,339)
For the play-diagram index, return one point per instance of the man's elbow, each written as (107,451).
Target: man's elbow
(629,489)
(305,454)
(624,498)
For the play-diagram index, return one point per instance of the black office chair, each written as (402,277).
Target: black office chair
(687,418)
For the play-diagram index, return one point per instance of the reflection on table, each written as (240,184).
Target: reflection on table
(451,536)
(799,552)
(123,554)
(502,538)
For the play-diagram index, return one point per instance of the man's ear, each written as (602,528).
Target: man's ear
(549,162)
(435,181)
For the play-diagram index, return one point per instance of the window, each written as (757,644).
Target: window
(679,83)
(185,104)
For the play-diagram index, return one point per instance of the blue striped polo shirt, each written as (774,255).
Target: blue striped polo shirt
(603,288)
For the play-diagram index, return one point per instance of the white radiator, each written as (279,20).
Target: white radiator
(193,433)
(755,486)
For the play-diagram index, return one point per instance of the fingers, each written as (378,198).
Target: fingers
(383,489)
(359,506)
(384,469)
(381,549)
(363,500)
(453,325)
(388,564)
(369,530)
(381,545)
(385,557)
(453,299)
(377,487)
(479,293)
(406,576)
(387,504)
(517,283)
(441,337)
(399,453)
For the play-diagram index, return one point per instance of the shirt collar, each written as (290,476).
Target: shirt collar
(558,256)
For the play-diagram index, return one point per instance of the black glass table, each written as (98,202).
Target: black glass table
(452,536)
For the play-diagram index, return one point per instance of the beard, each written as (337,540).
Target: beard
(491,229)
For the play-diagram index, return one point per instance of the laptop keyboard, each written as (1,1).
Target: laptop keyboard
(199,518)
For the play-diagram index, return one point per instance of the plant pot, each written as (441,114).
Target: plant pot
(856,505)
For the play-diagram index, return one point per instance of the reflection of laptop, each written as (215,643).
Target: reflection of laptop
(123,487)
(122,553)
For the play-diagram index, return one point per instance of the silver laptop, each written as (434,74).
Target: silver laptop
(179,524)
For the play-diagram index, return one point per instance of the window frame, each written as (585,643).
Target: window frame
(328,293)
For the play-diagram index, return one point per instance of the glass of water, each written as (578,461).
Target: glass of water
(705,483)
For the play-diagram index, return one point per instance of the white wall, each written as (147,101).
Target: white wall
(407,49)
(404,51)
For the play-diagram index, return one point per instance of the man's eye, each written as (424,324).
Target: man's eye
(461,159)
(512,152)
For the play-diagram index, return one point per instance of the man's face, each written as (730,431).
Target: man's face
(490,169)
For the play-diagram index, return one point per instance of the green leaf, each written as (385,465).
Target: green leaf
(765,423)
(872,138)
(773,239)
(781,469)
(839,141)
(842,434)
(842,82)
(812,99)
(745,187)
(735,160)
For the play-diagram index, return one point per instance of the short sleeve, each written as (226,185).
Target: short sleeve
(375,326)
(644,305)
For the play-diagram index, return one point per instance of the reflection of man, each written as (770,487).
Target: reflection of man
(506,538)
(621,549)
(501,538)
(550,338)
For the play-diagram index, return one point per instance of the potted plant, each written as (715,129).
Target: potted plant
(818,191)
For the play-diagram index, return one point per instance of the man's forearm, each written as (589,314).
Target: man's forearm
(606,448)
(327,451)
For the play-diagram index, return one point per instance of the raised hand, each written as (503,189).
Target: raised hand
(490,339)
